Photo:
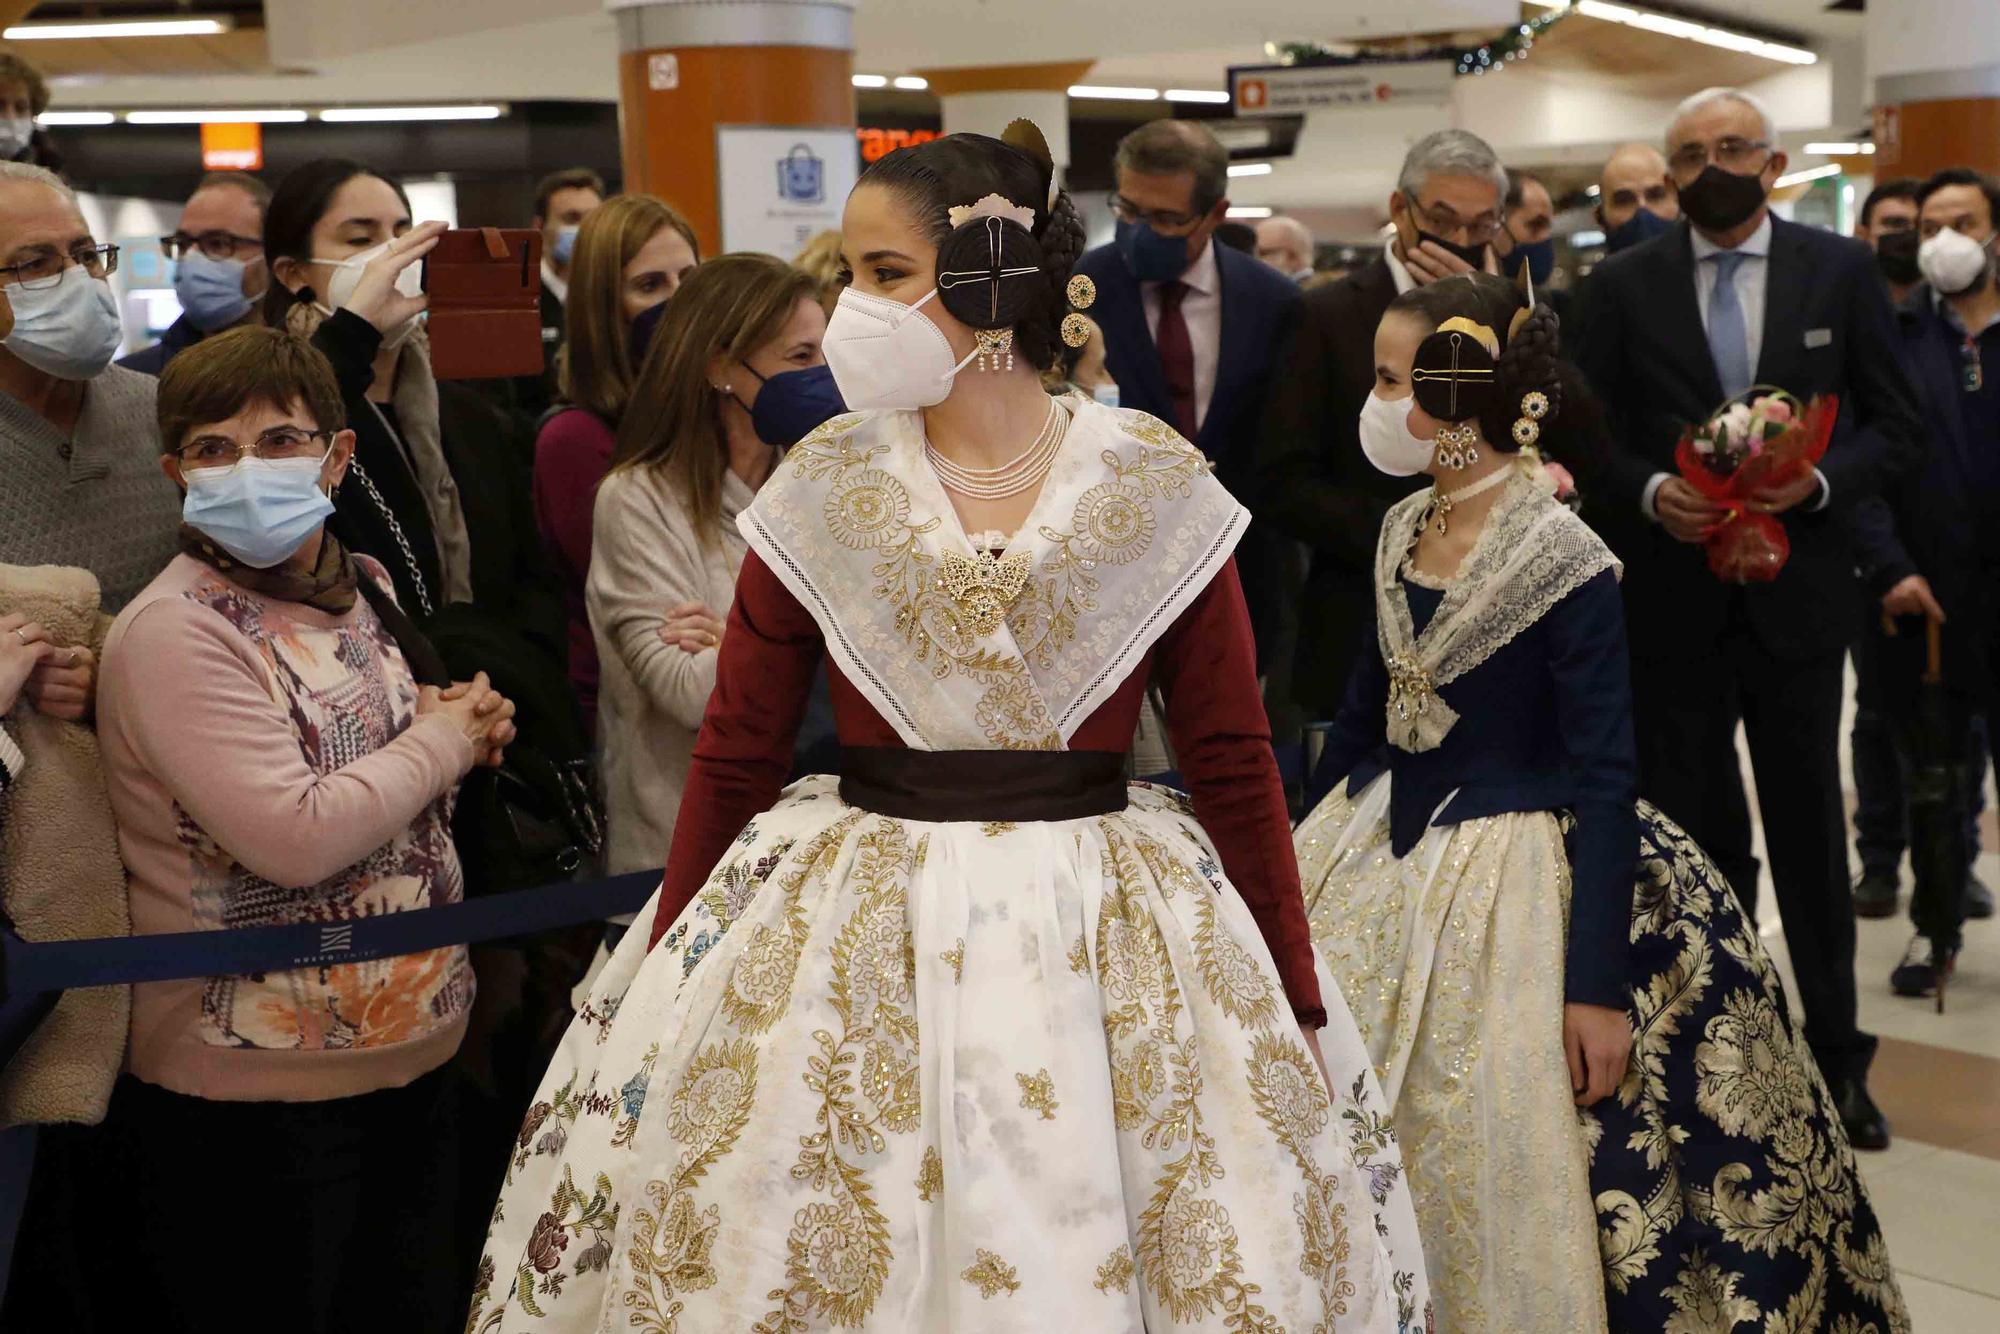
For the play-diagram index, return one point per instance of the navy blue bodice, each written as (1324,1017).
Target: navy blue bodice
(1544,724)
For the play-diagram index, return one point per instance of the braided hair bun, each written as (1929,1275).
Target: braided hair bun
(1530,363)
(961,169)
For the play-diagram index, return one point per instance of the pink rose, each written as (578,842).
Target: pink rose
(1565,484)
(1775,410)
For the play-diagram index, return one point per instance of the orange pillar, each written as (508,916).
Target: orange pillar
(1935,69)
(740,114)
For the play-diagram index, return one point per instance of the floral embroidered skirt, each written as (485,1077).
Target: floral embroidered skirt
(1714,1191)
(904,1076)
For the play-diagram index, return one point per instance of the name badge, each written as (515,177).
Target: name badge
(1818,337)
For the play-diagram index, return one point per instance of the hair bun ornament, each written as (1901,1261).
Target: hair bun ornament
(1453,372)
(1027,136)
(989,276)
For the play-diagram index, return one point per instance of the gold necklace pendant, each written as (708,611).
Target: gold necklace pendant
(982,587)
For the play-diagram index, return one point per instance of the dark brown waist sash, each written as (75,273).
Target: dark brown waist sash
(1016,785)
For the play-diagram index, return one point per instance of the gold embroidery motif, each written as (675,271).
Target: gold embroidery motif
(983,588)
(995,828)
(991,1275)
(955,956)
(1115,1274)
(930,1175)
(1079,956)
(1038,1093)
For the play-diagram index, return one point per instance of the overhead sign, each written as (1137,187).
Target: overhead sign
(781,186)
(232,147)
(1294,90)
(877,143)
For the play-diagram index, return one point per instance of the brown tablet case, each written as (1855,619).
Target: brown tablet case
(485,286)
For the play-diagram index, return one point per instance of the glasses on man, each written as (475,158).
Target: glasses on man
(1730,153)
(216,245)
(1443,220)
(1159,219)
(280,442)
(45,269)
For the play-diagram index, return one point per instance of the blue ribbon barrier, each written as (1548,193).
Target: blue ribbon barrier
(36,967)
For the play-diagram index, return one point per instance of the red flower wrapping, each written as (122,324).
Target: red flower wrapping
(1749,546)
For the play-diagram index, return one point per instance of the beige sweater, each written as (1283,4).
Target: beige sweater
(646,558)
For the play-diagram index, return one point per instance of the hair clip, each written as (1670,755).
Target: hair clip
(1527,426)
(1075,329)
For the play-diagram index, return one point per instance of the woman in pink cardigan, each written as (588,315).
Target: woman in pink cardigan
(278,1138)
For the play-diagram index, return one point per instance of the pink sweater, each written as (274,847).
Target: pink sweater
(266,767)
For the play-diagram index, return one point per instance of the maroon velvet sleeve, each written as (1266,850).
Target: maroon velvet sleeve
(770,651)
(1207,668)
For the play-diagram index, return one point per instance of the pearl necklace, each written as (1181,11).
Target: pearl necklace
(1442,501)
(1024,470)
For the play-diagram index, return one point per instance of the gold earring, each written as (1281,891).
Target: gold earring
(993,345)
(1456,445)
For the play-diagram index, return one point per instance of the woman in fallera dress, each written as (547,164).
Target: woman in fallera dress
(975,1037)
(1471,881)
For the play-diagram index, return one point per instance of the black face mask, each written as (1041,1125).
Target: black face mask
(1896,256)
(1718,200)
(1475,255)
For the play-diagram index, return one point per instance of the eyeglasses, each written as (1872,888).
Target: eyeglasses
(1159,219)
(216,245)
(1443,220)
(46,269)
(1730,153)
(280,442)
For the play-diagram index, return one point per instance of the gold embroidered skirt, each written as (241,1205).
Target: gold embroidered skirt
(1451,960)
(905,1076)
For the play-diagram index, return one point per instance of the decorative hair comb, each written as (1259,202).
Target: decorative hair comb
(992,206)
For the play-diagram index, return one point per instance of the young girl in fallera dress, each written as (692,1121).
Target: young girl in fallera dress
(975,1037)
(1470,880)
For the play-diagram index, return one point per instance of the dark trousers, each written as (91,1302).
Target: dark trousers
(1881,826)
(1686,711)
(331,1216)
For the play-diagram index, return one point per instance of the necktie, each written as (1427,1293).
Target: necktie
(1728,331)
(1177,356)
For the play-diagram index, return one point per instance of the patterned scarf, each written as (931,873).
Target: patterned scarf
(329,586)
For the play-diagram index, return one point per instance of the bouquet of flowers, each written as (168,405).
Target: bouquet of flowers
(1764,437)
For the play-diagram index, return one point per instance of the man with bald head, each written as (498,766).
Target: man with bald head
(1286,244)
(1729,299)
(1636,198)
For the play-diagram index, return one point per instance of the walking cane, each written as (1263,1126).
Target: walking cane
(1936,802)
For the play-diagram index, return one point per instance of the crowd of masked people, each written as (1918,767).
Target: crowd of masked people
(291,631)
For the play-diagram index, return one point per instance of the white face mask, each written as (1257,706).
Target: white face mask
(1953,263)
(68,329)
(15,132)
(347,275)
(885,354)
(1386,438)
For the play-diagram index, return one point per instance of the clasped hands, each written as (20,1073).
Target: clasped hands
(1689,516)
(484,714)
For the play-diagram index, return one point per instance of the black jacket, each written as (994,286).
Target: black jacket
(1827,330)
(514,628)
(1315,485)
(180,336)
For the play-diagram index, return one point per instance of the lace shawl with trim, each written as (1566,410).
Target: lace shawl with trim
(1532,553)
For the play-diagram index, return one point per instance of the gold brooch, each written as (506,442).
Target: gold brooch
(983,588)
(1410,686)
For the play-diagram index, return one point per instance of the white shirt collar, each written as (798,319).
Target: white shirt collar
(1758,243)
(555,282)
(1404,282)
(1203,275)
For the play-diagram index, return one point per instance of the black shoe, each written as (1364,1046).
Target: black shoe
(1921,969)
(1875,893)
(1866,1127)
(1978,898)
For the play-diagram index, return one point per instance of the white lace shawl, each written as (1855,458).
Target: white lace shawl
(1532,553)
(1129,528)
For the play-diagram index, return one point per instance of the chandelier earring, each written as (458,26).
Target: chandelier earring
(1457,445)
(995,344)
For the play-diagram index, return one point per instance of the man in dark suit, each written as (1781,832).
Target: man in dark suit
(1678,325)
(563,199)
(1192,329)
(1314,484)
(1931,549)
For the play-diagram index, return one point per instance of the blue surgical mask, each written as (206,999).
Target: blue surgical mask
(1641,227)
(1151,257)
(211,290)
(261,510)
(565,245)
(68,329)
(793,404)
(1539,256)
(1106,393)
